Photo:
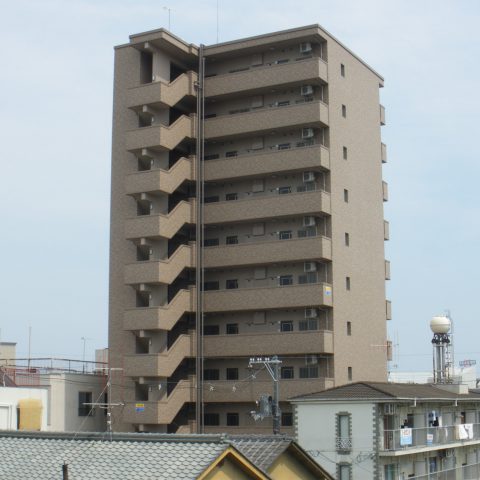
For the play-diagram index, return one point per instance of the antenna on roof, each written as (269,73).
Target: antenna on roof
(217,21)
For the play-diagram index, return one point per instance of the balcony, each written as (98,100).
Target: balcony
(163,411)
(161,137)
(263,76)
(159,180)
(165,226)
(386,230)
(262,207)
(161,93)
(267,118)
(384,153)
(219,391)
(260,298)
(382,115)
(160,364)
(278,343)
(161,271)
(263,162)
(426,437)
(160,318)
(243,254)
(388,309)
(385,191)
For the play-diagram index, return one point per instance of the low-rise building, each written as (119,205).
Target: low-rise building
(160,456)
(62,392)
(388,431)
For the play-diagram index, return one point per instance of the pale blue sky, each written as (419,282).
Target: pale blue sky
(56,62)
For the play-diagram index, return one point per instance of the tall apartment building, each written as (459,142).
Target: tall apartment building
(252,168)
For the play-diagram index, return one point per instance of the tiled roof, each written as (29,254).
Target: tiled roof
(387,391)
(40,455)
(260,450)
(34,457)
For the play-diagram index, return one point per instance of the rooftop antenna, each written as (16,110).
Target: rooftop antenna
(442,343)
(217,21)
(169,10)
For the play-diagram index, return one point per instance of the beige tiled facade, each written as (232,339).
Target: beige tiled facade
(281,177)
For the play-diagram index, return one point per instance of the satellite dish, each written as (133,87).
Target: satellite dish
(440,324)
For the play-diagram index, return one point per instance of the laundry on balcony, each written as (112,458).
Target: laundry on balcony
(464,431)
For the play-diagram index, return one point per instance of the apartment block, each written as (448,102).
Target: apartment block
(246,221)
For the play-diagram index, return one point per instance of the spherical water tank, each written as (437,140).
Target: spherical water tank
(440,324)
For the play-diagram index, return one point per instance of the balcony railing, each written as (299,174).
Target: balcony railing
(248,152)
(465,472)
(343,444)
(287,190)
(406,438)
(273,63)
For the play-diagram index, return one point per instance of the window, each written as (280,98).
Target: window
(212,156)
(345,153)
(345,195)
(285,235)
(284,190)
(347,283)
(344,471)
(211,330)
(211,419)
(310,277)
(211,374)
(286,326)
(233,153)
(344,111)
(342,69)
(344,434)
(214,285)
(308,324)
(287,373)
(233,419)
(287,419)
(231,284)
(232,328)
(211,199)
(310,371)
(284,280)
(231,240)
(350,373)
(83,398)
(231,196)
(390,472)
(232,373)
(349,328)
(347,239)
(211,242)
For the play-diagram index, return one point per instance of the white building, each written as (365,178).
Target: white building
(61,391)
(387,431)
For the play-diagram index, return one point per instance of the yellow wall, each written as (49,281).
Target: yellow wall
(30,411)
(287,467)
(228,470)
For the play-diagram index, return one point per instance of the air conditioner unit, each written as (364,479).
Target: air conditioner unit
(309,221)
(310,267)
(311,359)
(307,132)
(306,90)
(311,313)
(305,47)
(308,177)
(389,409)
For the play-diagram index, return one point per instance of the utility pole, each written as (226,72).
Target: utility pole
(272,365)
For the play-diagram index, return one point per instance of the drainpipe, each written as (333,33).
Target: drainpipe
(199,270)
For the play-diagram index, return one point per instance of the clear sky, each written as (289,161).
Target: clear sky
(56,64)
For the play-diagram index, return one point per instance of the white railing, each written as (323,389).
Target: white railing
(464,472)
(427,436)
